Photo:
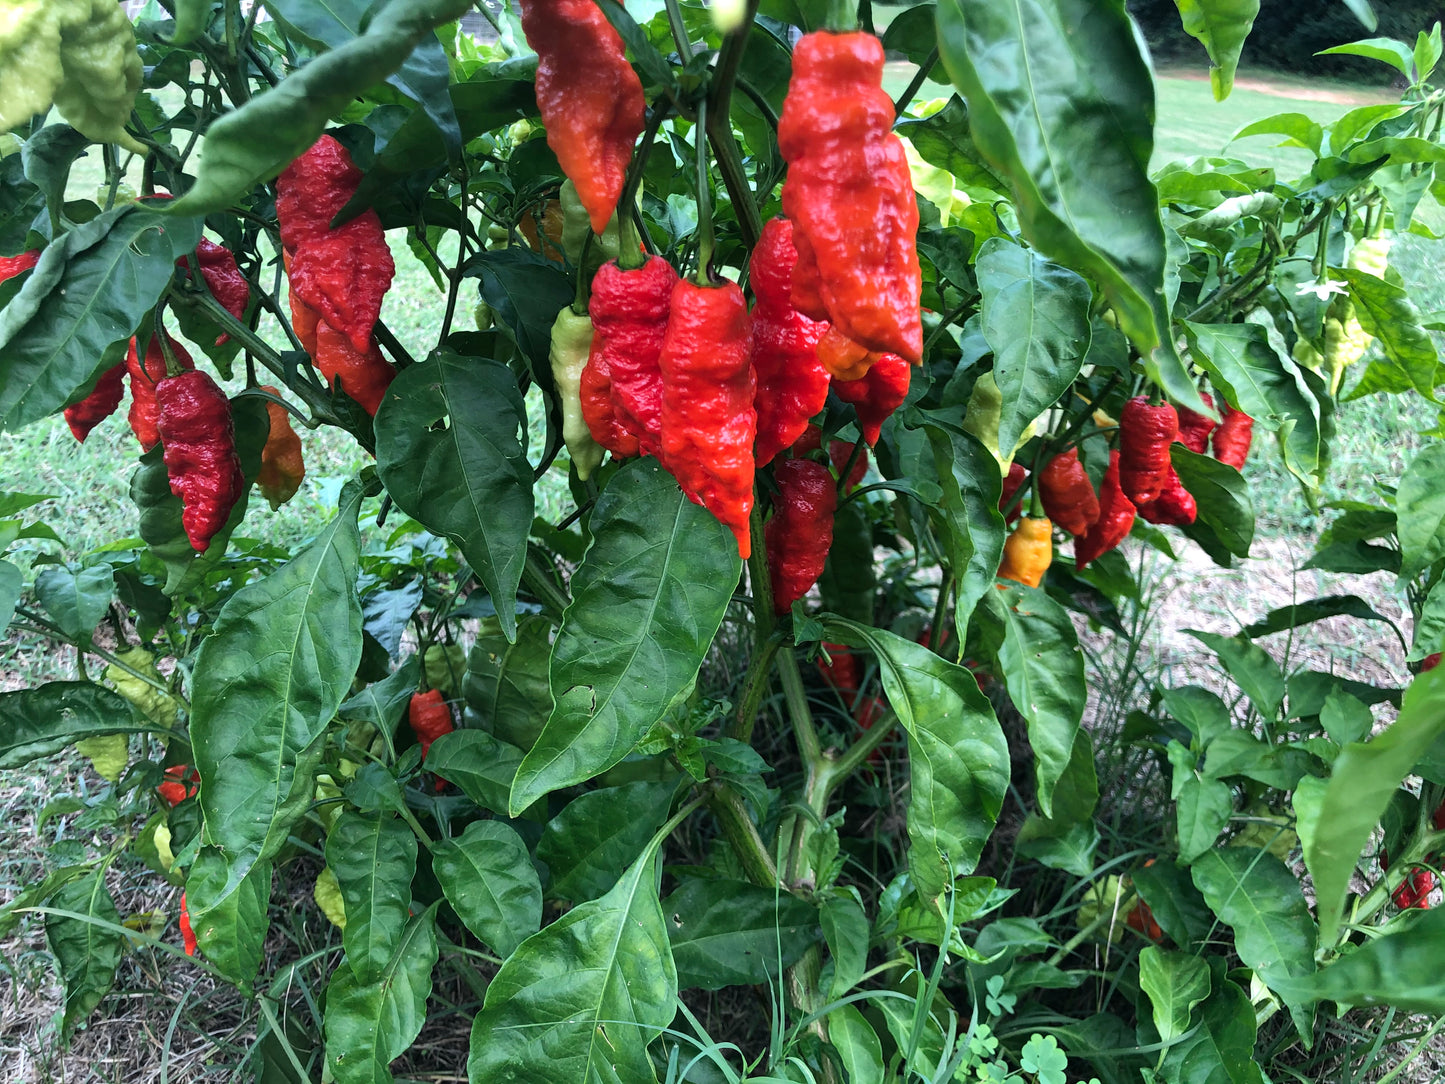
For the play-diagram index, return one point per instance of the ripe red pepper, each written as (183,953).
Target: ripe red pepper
(1028,551)
(282,465)
(1067,494)
(708,385)
(100,404)
(10,266)
(800,532)
(1414,891)
(877,394)
(342,273)
(850,195)
(792,383)
(181,782)
(841,357)
(1232,438)
(1012,481)
(363,376)
(629,310)
(1175,505)
(1116,517)
(840,452)
(188,935)
(143,381)
(1194,428)
(1141,918)
(841,671)
(430,718)
(590,99)
(223,278)
(200,452)
(1145,433)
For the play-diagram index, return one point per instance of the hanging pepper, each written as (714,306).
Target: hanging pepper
(544,234)
(590,99)
(571,341)
(1232,438)
(594,395)
(1028,551)
(840,454)
(10,266)
(188,935)
(100,404)
(841,357)
(1174,507)
(800,532)
(577,228)
(792,383)
(850,195)
(282,467)
(223,278)
(430,718)
(364,376)
(143,381)
(1141,919)
(708,384)
(1067,494)
(877,394)
(1011,482)
(630,311)
(1194,428)
(200,452)
(1145,433)
(1116,517)
(342,273)
(841,671)
(181,782)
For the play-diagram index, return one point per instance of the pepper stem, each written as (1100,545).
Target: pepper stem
(706,239)
(629,255)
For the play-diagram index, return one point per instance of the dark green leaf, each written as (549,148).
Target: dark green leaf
(730,933)
(229,921)
(974,530)
(12,583)
(845,928)
(506,684)
(653,587)
(1356,557)
(482,765)
(87,954)
(1404,968)
(44,720)
(1257,674)
(1203,805)
(1315,609)
(1178,907)
(525,291)
(1386,50)
(1175,983)
(1221,1049)
(598,835)
(374,860)
(1221,27)
(1226,507)
(1386,312)
(382,702)
(1420,507)
(489,879)
(942,139)
(1201,711)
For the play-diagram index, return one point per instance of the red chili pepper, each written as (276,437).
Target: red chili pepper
(181,782)
(841,357)
(1414,891)
(1012,481)
(200,453)
(223,278)
(600,413)
(342,273)
(840,452)
(800,532)
(841,671)
(590,99)
(100,404)
(877,394)
(629,310)
(188,935)
(143,381)
(1145,433)
(1116,517)
(1175,505)
(430,718)
(1429,662)
(1194,428)
(708,384)
(1232,438)
(10,266)
(792,383)
(1141,918)
(1067,494)
(282,464)
(850,195)
(363,376)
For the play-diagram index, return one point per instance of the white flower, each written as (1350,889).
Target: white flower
(1323,290)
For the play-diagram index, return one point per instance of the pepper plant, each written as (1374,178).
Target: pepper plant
(748,711)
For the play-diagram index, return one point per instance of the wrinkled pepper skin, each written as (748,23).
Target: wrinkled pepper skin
(1067,494)
(223,278)
(1028,551)
(10,266)
(590,99)
(430,718)
(1145,433)
(200,453)
(630,311)
(840,452)
(877,394)
(708,386)
(1011,483)
(1116,518)
(841,357)
(1413,893)
(100,404)
(282,464)
(568,353)
(850,196)
(800,532)
(181,782)
(143,380)
(364,376)
(792,383)
(1194,428)
(343,273)
(594,393)
(1174,507)
(1233,437)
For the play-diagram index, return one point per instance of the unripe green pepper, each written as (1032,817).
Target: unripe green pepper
(571,342)
(102,74)
(576,227)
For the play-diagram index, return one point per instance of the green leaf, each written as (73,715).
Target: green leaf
(859,1048)
(1345,718)
(1178,907)
(382,703)
(451,451)
(1386,50)
(942,139)
(582,999)
(489,879)
(1404,968)
(845,928)
(1201,711)
(257,141)
(268,681)
(1221,27)
(598,835)
(653,586)
(1420,508)
(483,766)
(42,721)
(525,291)
(87,954)
(1226,506)
(731,933)
(1429,631)
(374,860)
(1175,983)
(1067,839)
(76,600)
(87,296)
(1256,895)
(1365,778)
(1203,805)
(973,528)
(1311,610)
(506,684)
(229,921)
(957,755)
(1043,669)
(1256,673)
(1061,102)
(1386,312)
(370,1025)
(1268,388)
(1035,316)
(12,583)
(1221,1048)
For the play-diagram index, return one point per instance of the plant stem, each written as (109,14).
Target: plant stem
(706,238)
(906,98)
(742,835)
(720,131)
(541,584)
(755,688)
